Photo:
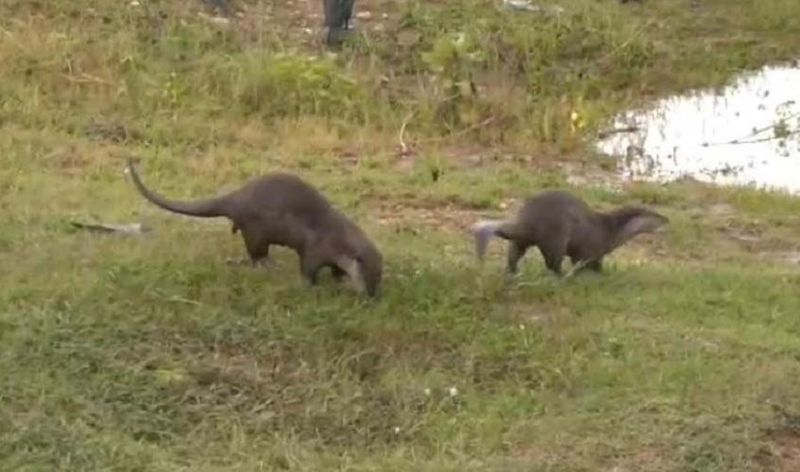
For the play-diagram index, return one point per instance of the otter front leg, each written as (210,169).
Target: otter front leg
(310,264)
(553,262)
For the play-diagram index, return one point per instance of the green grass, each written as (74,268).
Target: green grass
(150,353)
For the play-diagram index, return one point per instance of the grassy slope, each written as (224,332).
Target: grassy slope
(152,354)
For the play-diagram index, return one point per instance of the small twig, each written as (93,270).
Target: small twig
(86,79)
(753,141)
(179,299)
(767,128)
(758,131)
(609,132)
(403,146)
(461,132)
(133,228)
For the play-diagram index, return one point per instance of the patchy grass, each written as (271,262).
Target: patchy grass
(150,353)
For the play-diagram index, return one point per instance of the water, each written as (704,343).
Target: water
(748,134)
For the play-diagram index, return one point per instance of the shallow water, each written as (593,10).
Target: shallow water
(747,134)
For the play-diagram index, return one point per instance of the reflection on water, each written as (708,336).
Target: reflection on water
(748,134)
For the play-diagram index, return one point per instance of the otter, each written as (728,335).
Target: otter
(560,224)
(283,210)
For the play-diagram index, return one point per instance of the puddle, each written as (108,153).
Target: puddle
(747,134)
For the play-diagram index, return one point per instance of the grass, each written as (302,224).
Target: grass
(149,353)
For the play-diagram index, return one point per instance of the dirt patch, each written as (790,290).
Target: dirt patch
(648,458)
(749,234)
(782,453)
(530,455)
(783,442)
(76,160)
(759,238)
(721,210)
(112,130)
(475,155)
(754,238)
(791,258)
(788,451)
(412,217)
(580,176)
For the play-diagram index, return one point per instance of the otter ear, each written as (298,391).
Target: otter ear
(645,222)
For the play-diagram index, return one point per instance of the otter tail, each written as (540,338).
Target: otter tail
(202,208)
(484,230)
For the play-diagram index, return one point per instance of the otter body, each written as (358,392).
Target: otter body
(560,224)
(281,209)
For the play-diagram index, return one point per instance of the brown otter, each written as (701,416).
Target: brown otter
(560,224)
(281,209)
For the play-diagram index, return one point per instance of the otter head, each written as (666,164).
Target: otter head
(365,269)
(628,222)
(370,263)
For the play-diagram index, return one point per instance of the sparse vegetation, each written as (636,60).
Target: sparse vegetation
(150,353)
